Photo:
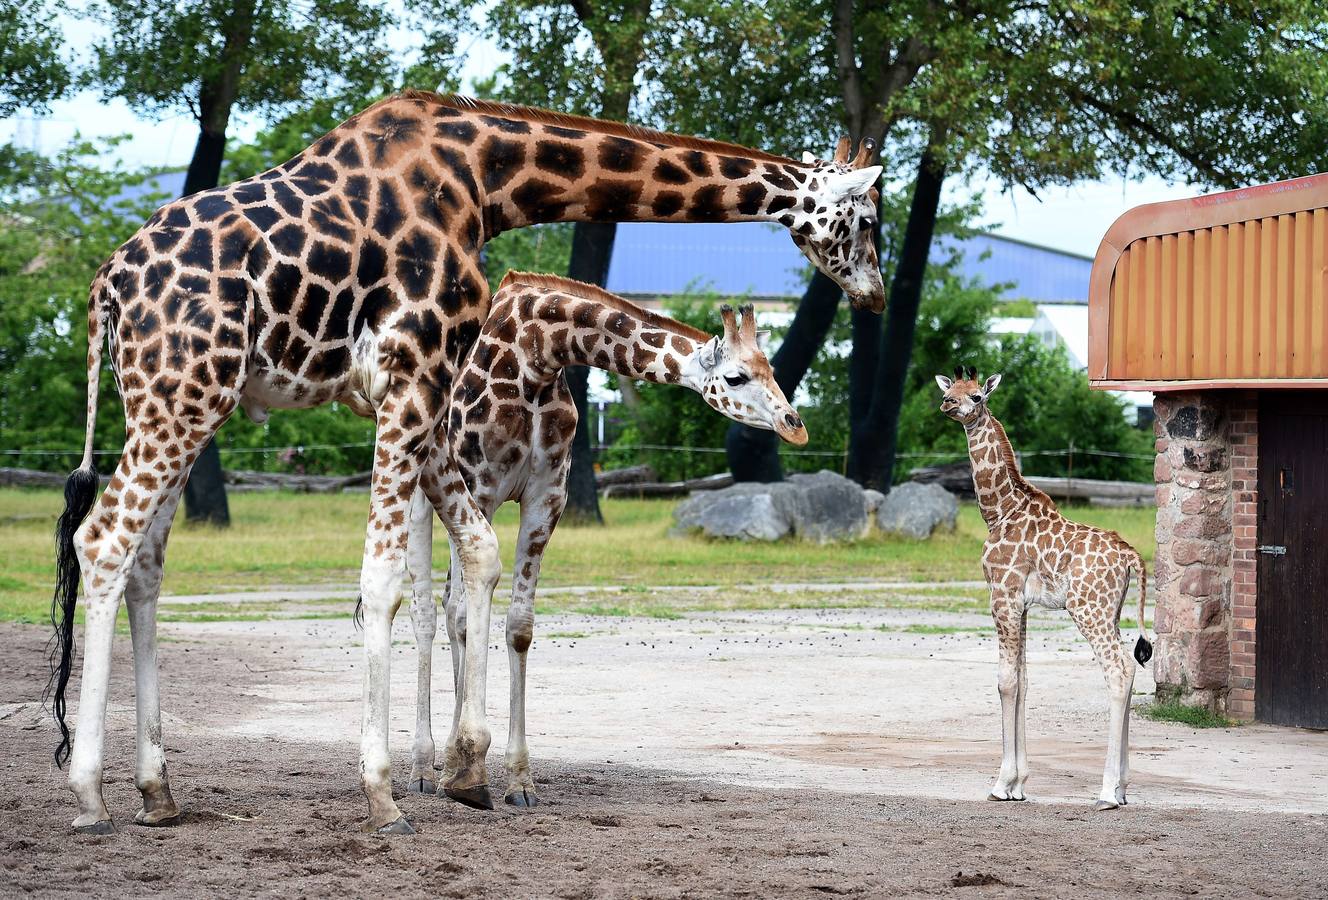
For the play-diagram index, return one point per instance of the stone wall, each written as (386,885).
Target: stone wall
(1192,577)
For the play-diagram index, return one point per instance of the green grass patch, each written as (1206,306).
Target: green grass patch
(1194,716)
(920,628)
(282,539)
(566,635)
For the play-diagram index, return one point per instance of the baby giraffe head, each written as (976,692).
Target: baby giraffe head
(733,375)
(965,398)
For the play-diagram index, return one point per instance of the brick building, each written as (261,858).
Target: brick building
(1219,305)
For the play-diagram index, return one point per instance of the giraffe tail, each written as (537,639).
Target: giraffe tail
(1143,648)
(80,493)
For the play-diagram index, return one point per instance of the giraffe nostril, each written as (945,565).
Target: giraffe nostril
(793,420)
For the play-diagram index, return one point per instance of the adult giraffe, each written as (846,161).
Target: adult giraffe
(354,269)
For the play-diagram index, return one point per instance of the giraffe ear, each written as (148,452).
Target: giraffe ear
(711,353)
(943,382)
(851,184)
(990,385)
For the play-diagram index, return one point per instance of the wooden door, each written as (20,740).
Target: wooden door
(1291,624)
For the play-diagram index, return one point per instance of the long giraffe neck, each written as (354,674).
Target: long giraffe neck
(543,167)
(553,329)
(1002,491)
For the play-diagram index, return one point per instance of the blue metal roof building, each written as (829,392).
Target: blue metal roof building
(652,259)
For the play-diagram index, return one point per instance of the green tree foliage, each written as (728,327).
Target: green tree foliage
(32,70)
(59,220)
(215,56)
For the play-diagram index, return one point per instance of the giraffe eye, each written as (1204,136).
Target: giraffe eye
(976,398)
(737,380)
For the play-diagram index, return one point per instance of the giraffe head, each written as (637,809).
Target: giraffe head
(965,397)
(733,375)
(835,225)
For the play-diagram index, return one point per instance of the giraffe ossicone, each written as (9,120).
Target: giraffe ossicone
(1034,556)
(352,272)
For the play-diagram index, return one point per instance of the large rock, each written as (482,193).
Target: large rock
(830,507)
(820,507)
(748,512)
(916,510)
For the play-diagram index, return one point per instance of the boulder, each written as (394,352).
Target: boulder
(830,507)
(820,507)
(749,512)
(874,500)
(916,510)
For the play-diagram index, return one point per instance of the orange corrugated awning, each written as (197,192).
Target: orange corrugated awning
(1220,291)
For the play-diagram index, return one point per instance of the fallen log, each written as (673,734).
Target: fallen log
(626,475)
(651,489)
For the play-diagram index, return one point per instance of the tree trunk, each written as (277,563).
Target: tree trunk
(592,248)
(205,491)
(873,439)
(753,454)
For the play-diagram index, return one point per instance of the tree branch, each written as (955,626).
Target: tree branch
(846,61)
(1129,120)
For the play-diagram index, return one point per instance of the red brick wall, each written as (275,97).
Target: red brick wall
(1243,414)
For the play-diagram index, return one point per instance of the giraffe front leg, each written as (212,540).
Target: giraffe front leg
(475,548)
(1008,613)
(454,617)
(539,515)
(424,622)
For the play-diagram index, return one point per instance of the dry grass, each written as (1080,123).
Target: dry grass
(304,539)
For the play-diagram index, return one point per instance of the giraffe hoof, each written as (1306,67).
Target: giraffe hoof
(422,786)
(475,797)
(1005,799)
(400,826)
(105,826)
(1104,805)
(160,818)
(522,798)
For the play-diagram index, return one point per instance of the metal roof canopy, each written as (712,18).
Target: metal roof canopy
(1226,290)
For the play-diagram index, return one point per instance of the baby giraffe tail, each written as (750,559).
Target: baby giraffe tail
(1143,649)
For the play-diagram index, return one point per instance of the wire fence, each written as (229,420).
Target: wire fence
(300,449)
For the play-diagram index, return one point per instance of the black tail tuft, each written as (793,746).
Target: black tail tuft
(80,492)
(1143,650)
(358,618)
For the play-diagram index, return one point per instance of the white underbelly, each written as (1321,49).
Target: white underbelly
(1038,592)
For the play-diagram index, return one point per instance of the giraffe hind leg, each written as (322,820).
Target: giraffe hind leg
(108,544)
(1093,609)
(141,592)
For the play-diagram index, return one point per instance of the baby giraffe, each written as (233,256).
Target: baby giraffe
(1035,556)
(511,429)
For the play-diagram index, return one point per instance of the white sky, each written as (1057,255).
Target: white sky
(1071,219)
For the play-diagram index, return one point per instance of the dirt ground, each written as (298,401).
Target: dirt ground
(791,753)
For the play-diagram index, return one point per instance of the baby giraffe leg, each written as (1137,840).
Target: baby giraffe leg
(1096,619)
(1020,724)
(141,591)
(1007,609)
(424,622)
